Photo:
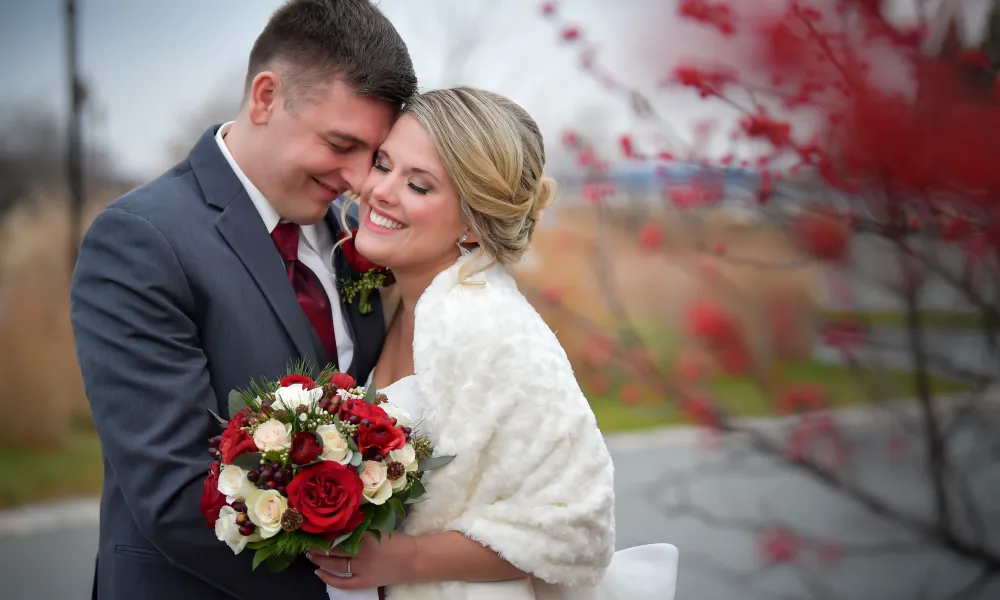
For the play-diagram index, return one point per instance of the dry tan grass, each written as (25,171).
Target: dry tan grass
(41,390)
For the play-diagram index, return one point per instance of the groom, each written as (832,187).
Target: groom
(220,271)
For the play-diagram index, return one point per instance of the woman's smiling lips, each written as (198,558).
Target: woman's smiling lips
(381,223)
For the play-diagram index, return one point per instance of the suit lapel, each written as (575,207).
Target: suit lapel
(241,226)
(368,330)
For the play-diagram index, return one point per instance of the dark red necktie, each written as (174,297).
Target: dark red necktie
(308,289)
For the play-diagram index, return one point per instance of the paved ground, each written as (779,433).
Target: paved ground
(716,563)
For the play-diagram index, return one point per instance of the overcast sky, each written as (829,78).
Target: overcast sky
(152,64)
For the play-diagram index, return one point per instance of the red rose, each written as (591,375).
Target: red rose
(328,496)
(379,438)
(352,407)
(212,500)
(235,439)
(358,263)
(343,381)
(306,447)
(307,382)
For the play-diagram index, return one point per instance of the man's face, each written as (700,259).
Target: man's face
(320,149)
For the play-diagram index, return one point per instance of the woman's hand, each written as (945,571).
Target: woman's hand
(376,564)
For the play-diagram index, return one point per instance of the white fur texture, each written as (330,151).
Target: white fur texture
(532,478)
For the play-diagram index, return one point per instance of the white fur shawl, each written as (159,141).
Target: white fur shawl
(532,478)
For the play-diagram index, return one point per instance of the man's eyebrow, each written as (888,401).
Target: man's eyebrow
(346,137)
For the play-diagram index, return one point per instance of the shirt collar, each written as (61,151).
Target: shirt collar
(270,216)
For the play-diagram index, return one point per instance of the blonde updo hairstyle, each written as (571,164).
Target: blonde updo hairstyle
(493,151)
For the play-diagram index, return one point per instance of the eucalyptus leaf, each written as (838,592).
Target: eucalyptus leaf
(370,394)
(356,459)
(263,554)
(221,421)
(236,403)
(249,461)
(435,462)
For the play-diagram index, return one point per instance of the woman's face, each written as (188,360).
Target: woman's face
(410,218)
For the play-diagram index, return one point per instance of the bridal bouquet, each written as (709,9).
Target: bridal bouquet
(306,464)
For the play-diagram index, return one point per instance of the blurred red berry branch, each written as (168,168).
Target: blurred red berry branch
(895,148)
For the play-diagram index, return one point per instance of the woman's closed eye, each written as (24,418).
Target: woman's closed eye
(416,188)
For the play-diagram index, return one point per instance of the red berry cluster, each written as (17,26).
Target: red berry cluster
(247,526)
(271,477)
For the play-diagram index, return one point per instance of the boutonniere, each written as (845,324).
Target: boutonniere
(368,276)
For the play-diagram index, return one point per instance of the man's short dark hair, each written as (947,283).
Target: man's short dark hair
(309,42)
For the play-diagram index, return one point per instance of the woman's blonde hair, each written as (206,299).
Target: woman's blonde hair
(493,151)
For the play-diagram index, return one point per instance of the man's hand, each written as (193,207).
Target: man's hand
(377,564)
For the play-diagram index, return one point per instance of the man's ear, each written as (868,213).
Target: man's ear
(264,97)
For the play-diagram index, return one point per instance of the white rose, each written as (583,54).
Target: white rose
(402,417)
(335,447)
(228,531)
(375,476)
(294,396)
(234,484)
(273,435)
(406,456)
(265,508)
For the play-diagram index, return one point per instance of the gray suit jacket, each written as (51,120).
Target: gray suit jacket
(179,296)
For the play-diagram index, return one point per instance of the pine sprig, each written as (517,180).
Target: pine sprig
(299,542)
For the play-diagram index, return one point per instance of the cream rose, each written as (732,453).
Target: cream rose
(234,484)
(375,477)
(407,457)
(273,435)
(265,508)
(228,531)
(294,396)
(402,417)
(335,447)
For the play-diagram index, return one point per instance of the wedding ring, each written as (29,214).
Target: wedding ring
(348,573)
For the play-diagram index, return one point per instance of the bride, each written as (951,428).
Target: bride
(526,509)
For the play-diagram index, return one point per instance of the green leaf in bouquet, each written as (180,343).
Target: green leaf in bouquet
(351,545)
(249,461)
(263,554)
(356,459)
(278,562)
(352,444)
(370,394)
(341,539)
(221,421)
(435,462)
(416,491)
(383,518)
(396,503)
(237,402)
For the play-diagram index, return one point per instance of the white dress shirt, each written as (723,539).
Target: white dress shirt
(315,251)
